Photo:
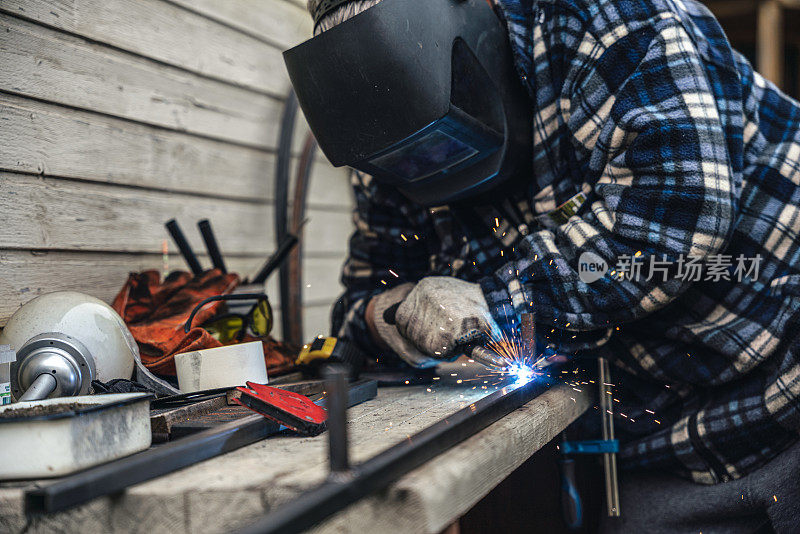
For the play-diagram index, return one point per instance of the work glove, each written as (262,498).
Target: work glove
(387,331)
(442,316)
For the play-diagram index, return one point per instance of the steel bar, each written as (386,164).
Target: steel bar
(117,475)
(375,474)
(336,386)
(609,459)
(186,249)
(211,245)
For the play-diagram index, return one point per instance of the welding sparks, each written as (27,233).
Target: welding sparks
(521,373)
(521,367)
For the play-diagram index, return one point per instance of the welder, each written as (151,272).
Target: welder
(573,159)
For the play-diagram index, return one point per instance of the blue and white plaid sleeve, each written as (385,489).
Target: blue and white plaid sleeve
(386,250)
(659,177)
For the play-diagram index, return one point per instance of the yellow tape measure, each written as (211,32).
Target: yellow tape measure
(321,348)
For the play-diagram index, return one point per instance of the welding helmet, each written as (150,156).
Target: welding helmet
(420,94)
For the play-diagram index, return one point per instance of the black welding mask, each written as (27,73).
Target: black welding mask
(421,94)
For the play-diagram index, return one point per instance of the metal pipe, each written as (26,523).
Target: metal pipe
(609,459)
(186,250)
(211,245)
(378,472)
(336,386)
(40,388)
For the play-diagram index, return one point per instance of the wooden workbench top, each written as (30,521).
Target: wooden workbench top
(234,489)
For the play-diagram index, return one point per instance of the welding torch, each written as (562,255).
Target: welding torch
(478,353)
(487,357)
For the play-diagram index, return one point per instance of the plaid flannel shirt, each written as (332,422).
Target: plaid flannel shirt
(665,144)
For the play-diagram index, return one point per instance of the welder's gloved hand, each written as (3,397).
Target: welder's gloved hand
(388,332)
(443,315)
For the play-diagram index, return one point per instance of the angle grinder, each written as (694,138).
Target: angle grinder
(64,340)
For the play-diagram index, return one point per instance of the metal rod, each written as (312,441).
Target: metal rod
(375,474)
(276,259)
(211,245)
(609,459)
(186,250)
(42,386)
(336,386)
(117,475)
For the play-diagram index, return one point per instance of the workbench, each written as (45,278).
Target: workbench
(232,490)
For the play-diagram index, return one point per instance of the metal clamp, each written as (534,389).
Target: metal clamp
(592,446)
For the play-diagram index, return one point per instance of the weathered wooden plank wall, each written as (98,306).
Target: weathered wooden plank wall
(116,115)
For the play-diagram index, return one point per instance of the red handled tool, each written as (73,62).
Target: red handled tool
(290,409)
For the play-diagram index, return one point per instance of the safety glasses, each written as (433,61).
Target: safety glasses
(233,326)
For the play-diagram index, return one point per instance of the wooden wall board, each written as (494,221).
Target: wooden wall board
(54,214)
(167,33)
(316,321)
(29,274)
(56,67)
(284,23)
(120,114)
(49,140)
